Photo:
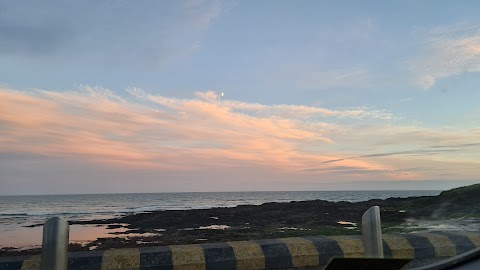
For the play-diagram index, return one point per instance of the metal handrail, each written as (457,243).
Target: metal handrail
(55,244)
(372,233)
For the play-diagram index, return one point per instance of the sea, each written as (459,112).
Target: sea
(19,212)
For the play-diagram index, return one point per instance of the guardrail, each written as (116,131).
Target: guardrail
(284,253)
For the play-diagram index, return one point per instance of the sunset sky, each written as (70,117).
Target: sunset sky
(161,96)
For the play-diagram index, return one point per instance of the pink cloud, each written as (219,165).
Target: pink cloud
(179,135)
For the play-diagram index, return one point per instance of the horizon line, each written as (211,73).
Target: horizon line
(246,191)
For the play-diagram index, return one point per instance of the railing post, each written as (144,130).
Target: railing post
(372,233)
(55,244)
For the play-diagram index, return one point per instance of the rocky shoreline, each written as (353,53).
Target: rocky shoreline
(276,220)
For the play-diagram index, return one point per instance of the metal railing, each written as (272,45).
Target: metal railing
(372,233)
(55,244)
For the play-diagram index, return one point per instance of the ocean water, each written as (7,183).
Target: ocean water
(16,212)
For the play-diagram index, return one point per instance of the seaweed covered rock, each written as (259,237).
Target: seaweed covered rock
(457,202)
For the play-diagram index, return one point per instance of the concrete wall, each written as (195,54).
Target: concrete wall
(284,253)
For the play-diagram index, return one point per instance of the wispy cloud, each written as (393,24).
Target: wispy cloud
(419,152)
(449,51)
(358,171)
(211,132)
(405,99)
(284,110)
(107,32)
(328,79)
(203,13)
(96,124)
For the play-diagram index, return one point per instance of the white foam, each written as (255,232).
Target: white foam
(347,223)
(214,227)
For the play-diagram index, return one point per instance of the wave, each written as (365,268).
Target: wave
(53,213)
(137,209)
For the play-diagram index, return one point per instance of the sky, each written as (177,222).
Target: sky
(175,96)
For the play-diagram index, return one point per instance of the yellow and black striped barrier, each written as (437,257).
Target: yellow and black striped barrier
(284,253)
